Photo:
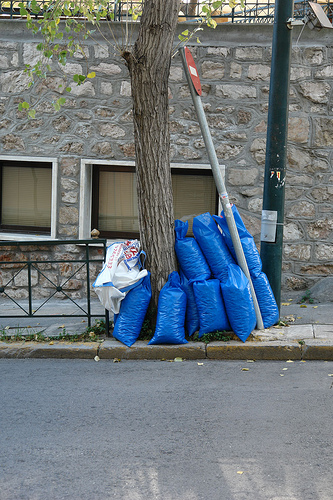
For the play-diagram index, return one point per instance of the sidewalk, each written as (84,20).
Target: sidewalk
(309,336)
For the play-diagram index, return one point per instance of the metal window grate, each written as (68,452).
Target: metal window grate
(45,269)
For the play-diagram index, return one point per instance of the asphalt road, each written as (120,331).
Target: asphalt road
(145,430)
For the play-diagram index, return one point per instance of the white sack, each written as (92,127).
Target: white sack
(120,273)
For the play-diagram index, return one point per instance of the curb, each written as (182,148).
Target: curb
(309,349)
(59,350)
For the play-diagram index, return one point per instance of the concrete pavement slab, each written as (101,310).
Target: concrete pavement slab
(297,332)
(303,314)
(285,333)
(323,332)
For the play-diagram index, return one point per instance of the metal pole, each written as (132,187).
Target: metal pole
(276,148)
(221,187)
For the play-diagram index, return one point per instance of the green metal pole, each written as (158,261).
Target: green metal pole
(276,148)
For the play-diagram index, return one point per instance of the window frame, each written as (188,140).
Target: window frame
(11,232)
(86,187)
(95,201)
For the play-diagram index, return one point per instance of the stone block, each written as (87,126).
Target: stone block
(249,53)
(259,72)
(318,349)
(317,92)
(101,51)
(85,89)
(73,148)
(12,142)
(107,69)
(237,176)
(235,70)
(325,73)
(218,51)
(258,150)
(65,350)
(298,129)
(267,350)
(69,196)
(323,132)
(324,251)
(314,55)
(212,70)
(103,148)
(299,73)
(125,89)
(291,231)
(111,349)
(111,130)
(302,209)
(321,229)
(229,150)
(237,92)
(297,251)
(21,278)
(14,82)
(106,88)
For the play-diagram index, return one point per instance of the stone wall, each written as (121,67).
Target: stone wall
(234,66)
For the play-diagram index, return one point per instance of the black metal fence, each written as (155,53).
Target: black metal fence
(16,265)
(254,11)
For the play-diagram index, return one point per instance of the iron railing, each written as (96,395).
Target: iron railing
(254,11)
(24,270)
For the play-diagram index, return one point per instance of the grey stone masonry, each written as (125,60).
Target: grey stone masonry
(234,66)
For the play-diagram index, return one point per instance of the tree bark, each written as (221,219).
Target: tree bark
(149,67)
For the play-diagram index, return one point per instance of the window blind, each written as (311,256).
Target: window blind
(26,196)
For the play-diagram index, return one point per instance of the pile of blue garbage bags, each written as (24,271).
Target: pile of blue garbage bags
(210,293)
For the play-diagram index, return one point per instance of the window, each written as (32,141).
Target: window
(26,196)
(114,202)
(114,199)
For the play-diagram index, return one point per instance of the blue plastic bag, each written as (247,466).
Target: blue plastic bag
(189,255)
(238,302)
(251,253)
(133,308)
(266,300)
(212,245)
(192,316)
(170,324)
(210,306)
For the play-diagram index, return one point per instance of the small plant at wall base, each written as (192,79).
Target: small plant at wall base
(211,337)
(307,298)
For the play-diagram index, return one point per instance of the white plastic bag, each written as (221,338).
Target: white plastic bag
(120,273)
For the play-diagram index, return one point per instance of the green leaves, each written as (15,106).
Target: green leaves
(25,106)
(58,103)
(79,79)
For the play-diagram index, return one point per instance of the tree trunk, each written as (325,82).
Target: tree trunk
(149,66)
